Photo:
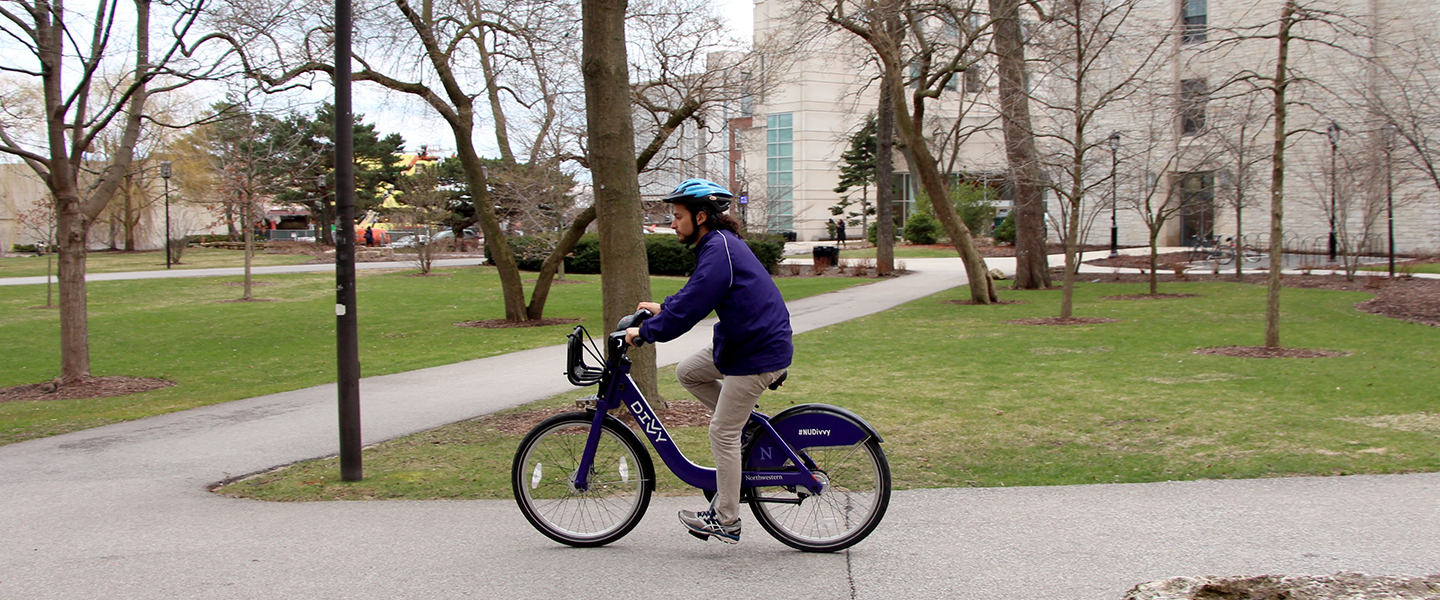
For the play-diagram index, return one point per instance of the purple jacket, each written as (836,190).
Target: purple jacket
(753,335)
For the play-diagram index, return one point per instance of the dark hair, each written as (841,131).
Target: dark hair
(716,221)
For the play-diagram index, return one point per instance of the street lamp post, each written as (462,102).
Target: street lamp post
(1114,198)
(1332,132)
(1387,136)
(165,174)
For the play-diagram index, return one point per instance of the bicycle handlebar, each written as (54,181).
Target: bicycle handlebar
(634,320)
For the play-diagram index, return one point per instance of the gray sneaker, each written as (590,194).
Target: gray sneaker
(705,524)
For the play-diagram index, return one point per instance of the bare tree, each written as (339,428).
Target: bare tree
(1032,269)
(1092,55)
(936,42)
(1310,26)
(91,85)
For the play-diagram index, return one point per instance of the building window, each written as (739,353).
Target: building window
(1194,15)
(1193,96)
(780,172)
(974,79)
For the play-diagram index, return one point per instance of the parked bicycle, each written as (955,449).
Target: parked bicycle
(814,475)
(1224,251)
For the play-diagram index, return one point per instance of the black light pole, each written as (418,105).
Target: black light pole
(1387,135)
(347,340)
(165,174)
(1114,198)
(1332,132)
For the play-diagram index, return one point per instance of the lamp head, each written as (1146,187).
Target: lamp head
(1114,141)
(165,171)
(1333,132)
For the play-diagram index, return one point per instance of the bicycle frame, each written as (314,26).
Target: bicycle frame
(618,389)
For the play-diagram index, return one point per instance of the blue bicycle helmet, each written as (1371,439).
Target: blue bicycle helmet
(703,193)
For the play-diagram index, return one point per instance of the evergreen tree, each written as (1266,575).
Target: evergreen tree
(858,170)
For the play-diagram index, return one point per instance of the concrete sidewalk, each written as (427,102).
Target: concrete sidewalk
(122,512)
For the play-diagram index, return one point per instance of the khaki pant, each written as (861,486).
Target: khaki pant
(731,402)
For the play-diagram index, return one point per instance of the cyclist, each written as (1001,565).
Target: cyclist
(751,347)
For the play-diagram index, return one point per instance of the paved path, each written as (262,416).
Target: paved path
(122,512)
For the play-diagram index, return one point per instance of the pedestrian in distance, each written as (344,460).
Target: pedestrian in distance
(751,347)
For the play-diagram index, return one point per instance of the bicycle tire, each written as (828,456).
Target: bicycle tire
(541,477)
(1252,254)
(855,498)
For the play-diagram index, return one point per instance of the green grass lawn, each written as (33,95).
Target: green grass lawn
(181,330)
(152,260)
(1401,269)
(964,399)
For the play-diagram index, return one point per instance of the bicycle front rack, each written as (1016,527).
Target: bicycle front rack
(579,373)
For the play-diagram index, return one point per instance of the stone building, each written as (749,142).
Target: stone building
(1179,130)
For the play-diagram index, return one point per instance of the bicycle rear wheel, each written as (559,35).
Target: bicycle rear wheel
(855,497)
(621,479)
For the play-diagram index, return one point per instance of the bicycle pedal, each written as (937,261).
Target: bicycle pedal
(588,402)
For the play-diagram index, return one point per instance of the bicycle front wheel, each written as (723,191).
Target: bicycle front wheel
(855,497)
(621,479)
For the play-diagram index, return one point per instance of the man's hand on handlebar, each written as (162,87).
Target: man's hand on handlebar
(632,332)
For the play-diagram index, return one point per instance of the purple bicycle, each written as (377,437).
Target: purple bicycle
(814,474)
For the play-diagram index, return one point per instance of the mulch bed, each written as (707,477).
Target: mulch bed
(1062,321)
(90,387)
(430,274)
(680,413)
(1264,352)
(1409,299)
(242,284)
(508,324)
(1164,262)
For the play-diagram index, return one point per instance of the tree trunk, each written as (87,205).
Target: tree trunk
(511,287)
(1032,267)
(884,176)
(72,229)
(1277,181)
(249,247)
(611,132)
(1154,261)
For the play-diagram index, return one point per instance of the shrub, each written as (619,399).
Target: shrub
(529,250)
(667,256)
(769,248)
(665,253)
(1005,233)
(176,248)
(585,256)
(922,229)
(974,207)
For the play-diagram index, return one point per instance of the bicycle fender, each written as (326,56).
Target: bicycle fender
(809,426)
